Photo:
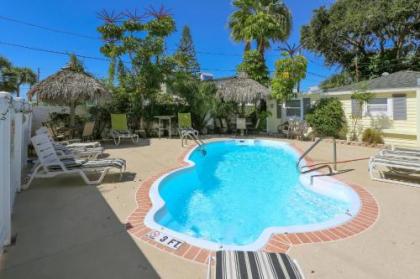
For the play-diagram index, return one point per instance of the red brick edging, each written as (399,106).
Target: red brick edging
(280,243)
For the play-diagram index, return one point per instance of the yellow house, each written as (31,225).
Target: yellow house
(393,108)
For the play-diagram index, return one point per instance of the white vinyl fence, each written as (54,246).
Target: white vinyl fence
(15,127)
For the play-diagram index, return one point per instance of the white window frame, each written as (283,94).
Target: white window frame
(387,112)
(294,108)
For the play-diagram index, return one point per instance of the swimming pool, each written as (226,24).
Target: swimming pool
(240,192)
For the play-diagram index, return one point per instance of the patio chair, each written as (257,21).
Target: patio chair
(221,125)
(141,130)
(388,162)
(88,130)
(241,125)
(50,164)
(185,129)
(255,265)
(120,129)
(72,145)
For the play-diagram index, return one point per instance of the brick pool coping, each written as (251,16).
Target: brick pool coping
(279,243)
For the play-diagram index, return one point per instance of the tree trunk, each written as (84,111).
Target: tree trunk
(72,115)
(261,48)
(247,46)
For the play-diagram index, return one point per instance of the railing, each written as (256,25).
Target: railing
(326,166)
(15,126)
(197,140)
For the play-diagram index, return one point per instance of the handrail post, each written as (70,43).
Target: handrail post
(335,154)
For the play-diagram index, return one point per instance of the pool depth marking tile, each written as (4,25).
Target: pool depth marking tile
(278,243)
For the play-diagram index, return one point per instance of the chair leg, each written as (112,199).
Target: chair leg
(31,177)
(95,182)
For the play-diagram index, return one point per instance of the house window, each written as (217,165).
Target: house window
(399,106)
(293,108)
(377,106)
(306,105)
(278,109)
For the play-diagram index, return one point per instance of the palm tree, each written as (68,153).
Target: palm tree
(20,76)
(5,67)
(12,78)
(262,21)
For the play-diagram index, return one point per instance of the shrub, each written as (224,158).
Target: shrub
(327,117)
(372,136)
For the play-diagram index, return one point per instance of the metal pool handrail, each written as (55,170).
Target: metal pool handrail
(199,142)
(300,169)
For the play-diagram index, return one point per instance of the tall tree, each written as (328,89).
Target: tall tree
(366,37)
(21,76)
(185,55)
(253,65)
(262,21)
(141,41)
(12,78)
(289,71)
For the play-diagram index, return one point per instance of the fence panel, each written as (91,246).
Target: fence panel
(5,148)
(15,125)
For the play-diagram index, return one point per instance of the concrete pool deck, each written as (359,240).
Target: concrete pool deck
(66,229)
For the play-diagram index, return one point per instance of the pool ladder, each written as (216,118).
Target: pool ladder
(307,169)
(197,140)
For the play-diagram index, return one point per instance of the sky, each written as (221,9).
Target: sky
(217,53)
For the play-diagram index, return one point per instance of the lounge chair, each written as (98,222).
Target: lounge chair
(120,129)
(89,150)
(389,162)
(74,143)
(185,128)
(50,164)
(255,265)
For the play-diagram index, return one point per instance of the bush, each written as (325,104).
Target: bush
(372,136)
(327,118)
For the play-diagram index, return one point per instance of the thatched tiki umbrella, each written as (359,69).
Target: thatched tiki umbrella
(240,89)
(71,86)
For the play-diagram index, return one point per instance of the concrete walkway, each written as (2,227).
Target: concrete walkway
(66,229)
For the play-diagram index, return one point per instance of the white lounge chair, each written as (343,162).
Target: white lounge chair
(50,165)
(255,265)
(396,163)
(69,144)
(79,150)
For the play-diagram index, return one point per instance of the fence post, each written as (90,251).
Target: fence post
(26,132)
(17,146)
(5,191)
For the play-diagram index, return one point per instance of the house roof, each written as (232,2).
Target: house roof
(401,79)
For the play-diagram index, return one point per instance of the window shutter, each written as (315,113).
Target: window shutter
(279,105)
(356,109)
(306,105)
(399,106)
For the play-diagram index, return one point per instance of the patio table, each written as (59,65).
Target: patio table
(161,128)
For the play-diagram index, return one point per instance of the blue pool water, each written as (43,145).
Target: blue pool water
(239,189)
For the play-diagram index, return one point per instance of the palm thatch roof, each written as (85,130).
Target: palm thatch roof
(240,89)
(69,87)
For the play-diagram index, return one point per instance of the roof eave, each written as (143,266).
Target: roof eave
(375,91)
